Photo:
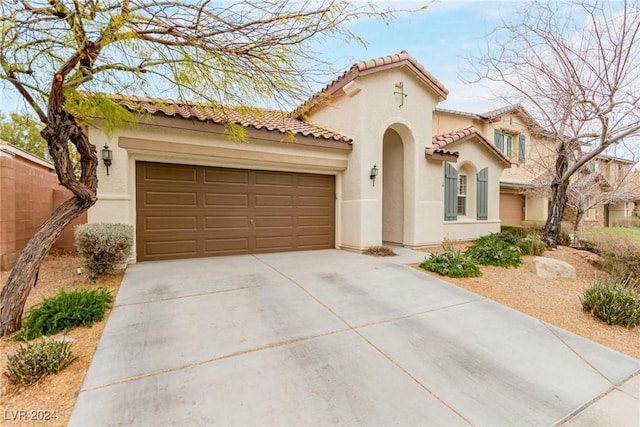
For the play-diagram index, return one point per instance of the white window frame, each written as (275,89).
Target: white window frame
(463,190)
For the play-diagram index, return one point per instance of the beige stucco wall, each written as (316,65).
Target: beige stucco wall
(365,116)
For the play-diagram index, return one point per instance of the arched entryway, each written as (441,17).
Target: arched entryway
(392,187)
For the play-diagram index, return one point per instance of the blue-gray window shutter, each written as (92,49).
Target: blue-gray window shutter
(499,141)
(521,148)
(483,194)
(450,192)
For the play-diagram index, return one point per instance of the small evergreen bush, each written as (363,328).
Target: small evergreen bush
(104,246)
(495,249)
(614,301)
(65,311)
(451,263)
(36,359)
(531,245)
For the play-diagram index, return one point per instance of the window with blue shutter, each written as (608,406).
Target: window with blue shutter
(482,194)
(450,192)
(498,140)
(521,149)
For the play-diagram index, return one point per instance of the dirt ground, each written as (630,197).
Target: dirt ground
(556,301)
(52,396)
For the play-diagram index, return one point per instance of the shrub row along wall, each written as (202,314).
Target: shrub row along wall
(29,192)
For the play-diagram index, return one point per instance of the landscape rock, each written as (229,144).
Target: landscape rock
(549,268)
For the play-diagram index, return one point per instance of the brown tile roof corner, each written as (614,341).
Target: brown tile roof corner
(258,118)
(441,144)
(366,67)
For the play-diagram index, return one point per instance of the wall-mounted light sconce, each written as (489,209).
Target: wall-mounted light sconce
(400,85)
(107,156)
(373,174)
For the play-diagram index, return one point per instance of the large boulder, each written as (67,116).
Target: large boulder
(549,268)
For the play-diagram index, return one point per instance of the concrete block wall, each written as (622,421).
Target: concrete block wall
(29,192)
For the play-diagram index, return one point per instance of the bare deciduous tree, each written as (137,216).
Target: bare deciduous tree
(604,181)
(58,55)
(575,66)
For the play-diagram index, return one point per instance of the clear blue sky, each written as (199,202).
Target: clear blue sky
(440,38)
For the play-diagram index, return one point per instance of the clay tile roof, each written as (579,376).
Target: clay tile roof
(366,67)
(442,143)
(257,118)
(502,110)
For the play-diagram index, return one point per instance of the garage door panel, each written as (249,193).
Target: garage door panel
(274,179)
(229,211)
(219,223)
(232,177)
(264,221)
(161,248)
(315,181)
(171,223)
(226,246)
(226,200)
(314,220)
(166,198)
(313,201)
(313,242)
(170,173)
(273,243)
(273,201)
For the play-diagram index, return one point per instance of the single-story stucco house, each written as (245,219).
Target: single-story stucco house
(359,171)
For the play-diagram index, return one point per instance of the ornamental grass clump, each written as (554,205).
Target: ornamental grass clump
(497,249)
(37,359)
(614,301)
(531,245)
(104,246)
(64,311)
(452,263)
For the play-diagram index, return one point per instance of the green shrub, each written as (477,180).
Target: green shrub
(619,248)
(517,230)
(104,246)
(65,311)
(613,301)
(630,222)
(495,249)
(531,245)
(379,251)
(36,359)
(451,263)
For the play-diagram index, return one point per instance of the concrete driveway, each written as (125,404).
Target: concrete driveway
(336,338)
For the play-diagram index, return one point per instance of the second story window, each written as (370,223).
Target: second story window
(506,142)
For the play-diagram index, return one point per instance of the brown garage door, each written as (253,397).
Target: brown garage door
(511,208)
(194,211)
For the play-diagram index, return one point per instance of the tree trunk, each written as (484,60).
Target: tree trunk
(61,129)
(23,275)
(553,226)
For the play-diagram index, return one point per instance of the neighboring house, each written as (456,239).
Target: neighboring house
(516,134)
(29,192)
(361,170)
(613,195)
(510,131)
